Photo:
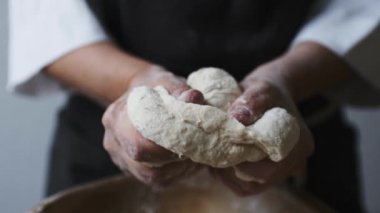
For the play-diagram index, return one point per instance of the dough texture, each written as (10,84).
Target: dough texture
(205,133)
(218,87)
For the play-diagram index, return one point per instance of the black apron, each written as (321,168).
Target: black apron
(182,36)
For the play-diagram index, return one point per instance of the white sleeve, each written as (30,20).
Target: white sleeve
(351,29)
(41,31)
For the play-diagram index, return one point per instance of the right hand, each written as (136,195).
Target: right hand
(261,93)
(133,153)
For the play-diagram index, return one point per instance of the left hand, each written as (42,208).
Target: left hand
(259,95)
(139,156)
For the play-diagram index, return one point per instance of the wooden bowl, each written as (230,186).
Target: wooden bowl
(199,194)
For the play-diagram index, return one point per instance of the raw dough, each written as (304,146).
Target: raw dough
(218,87)
(206,134)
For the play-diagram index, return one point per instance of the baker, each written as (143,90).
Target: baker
(284,54)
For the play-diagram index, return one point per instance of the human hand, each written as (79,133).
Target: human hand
(259,95)
(133,153)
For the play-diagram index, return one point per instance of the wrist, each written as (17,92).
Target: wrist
(305,70)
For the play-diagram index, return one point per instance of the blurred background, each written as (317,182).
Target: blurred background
(26,126)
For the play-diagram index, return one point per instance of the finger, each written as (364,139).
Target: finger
(148,152)
(113,148)
(267,170)
(189,170)
(112,114)
(242,113)
(157,175)
(174,84)
(109,142)
(126,164)
(274,172)
(177,87)
(261,171)
(137,146)
(252,104)
(228,180)
(241,188)
(144,150)
(108,118)
(141,149)
(192,96)
(247,177)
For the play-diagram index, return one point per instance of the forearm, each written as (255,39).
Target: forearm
(100,70)
(306,69)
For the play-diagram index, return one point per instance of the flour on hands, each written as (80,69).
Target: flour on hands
(206,133)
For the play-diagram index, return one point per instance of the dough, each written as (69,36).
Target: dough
(206,134)
(218,87)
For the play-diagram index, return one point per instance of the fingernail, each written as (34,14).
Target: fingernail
(247,177)
(242,114)
(192,96)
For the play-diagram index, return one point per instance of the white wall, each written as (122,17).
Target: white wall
(26,127)
(368,124)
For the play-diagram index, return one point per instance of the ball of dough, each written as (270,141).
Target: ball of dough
(205,133)
(218,87)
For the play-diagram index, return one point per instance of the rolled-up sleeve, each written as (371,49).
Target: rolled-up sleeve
(351,29)
(41,31)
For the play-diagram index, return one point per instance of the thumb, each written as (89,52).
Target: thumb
(250,106)
(178,88)
(191,96)
(243,113)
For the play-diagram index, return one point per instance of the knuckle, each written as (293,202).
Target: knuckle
(137,152)
(108,144)
(262,94)
(180,92)
(243,114)
(166,76)
(192,96)
(107,118)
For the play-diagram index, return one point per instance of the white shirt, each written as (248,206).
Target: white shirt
(41,31)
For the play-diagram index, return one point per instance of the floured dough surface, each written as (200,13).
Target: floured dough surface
(219,88)
(205,133)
